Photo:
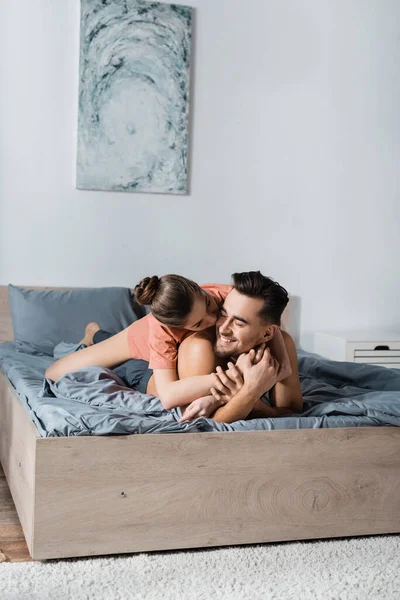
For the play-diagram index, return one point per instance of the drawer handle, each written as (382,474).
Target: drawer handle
(381,348)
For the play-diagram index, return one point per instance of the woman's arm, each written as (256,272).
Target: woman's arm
(171,390)
(109,354)
(195,376)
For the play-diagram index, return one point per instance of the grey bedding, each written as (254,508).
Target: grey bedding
(94,401)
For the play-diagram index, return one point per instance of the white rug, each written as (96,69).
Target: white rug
(364,568)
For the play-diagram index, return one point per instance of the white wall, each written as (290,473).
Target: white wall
(295,162)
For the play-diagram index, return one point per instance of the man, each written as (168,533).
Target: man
(249,318)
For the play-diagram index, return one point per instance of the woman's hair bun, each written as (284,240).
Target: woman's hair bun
(146,290)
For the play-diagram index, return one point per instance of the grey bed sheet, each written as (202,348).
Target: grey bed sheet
(94,401)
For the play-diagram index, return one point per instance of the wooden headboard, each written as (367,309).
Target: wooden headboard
(6,331)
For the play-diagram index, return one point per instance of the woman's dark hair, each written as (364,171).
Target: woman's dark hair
(170,297)
(256,285)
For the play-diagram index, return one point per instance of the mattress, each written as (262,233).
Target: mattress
(95,401)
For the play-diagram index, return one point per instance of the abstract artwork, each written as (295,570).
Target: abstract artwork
(133,96)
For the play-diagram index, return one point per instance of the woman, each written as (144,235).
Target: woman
(178,307)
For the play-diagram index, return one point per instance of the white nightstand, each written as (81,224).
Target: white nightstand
(376,347)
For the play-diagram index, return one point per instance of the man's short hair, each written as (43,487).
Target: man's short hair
(256,285)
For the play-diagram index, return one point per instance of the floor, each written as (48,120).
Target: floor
(13,547)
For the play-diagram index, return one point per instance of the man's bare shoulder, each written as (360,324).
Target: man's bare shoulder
(287,338)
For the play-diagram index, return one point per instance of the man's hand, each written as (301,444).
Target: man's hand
(261,377)
(255,355)
(230,382)
(202,407)
(258,369)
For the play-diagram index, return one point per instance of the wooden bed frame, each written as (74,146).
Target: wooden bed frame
(81,496)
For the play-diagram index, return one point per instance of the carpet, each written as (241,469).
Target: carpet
(363,568)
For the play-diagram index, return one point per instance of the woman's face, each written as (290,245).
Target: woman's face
(204,313)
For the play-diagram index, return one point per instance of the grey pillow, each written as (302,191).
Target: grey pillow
(43,319)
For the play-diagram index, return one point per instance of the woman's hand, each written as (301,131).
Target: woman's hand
(229,383)
(202,407)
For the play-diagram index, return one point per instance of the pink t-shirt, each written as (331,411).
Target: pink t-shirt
(150,340)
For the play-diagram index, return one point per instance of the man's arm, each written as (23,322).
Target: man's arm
(239,407)
(196,356)
(286,394)
(279,351)
(257,378)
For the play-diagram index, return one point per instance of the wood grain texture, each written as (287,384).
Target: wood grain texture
(6,331)
(18,437)
(13,546)
(154,492)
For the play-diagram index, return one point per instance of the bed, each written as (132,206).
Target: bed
(97,495)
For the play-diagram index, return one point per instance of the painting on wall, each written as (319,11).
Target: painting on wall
(133,96)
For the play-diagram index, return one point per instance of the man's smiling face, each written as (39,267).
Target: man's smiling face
(239,326)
